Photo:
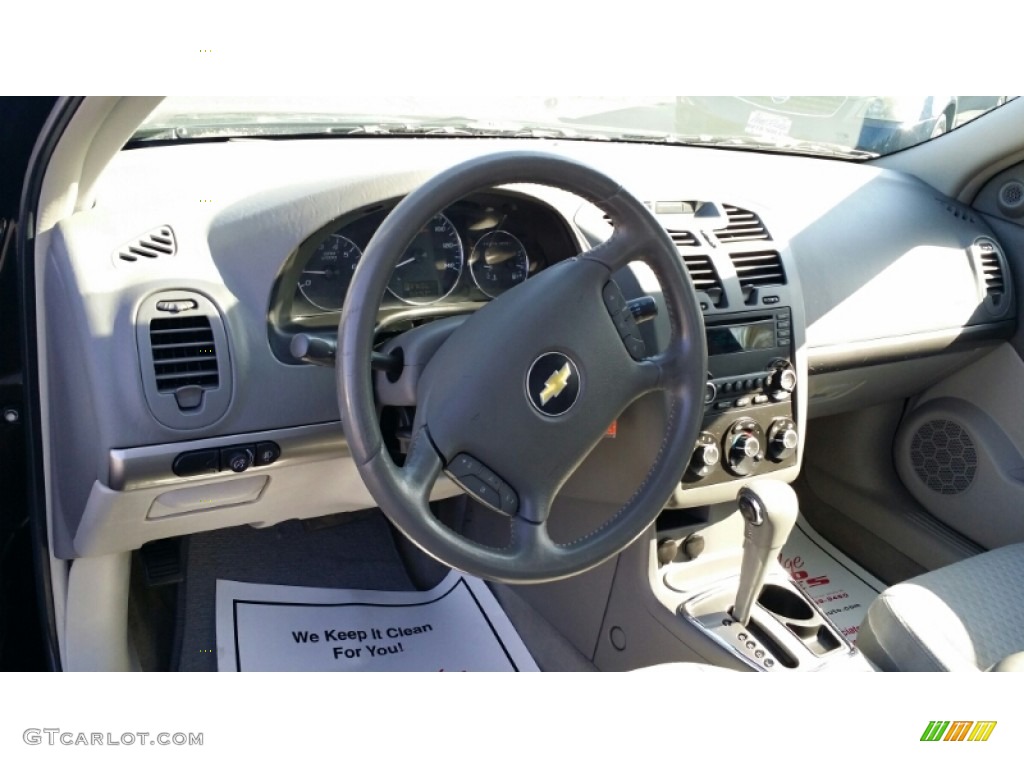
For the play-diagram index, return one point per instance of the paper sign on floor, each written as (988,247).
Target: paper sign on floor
(842,590)
(457,626)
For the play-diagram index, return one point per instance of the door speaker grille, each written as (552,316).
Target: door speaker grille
(943,456)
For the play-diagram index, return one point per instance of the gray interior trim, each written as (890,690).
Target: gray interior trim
(151,465)
(839,357)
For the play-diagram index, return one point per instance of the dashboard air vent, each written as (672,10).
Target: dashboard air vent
(704,277)
(990,270)
(683,239)
(757,268)
(152,245)
(743,225)
(184,353)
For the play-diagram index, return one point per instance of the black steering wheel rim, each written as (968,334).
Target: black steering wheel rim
(567,313)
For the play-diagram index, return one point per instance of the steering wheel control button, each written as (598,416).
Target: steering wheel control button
(238,458)
(267,453)
(553,384)
(197,463)
(613,299)
(625,320)
(483,484)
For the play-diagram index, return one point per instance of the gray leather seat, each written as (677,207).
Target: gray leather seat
(968,616)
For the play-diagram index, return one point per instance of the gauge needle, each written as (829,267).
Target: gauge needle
(403,263)
(315,272)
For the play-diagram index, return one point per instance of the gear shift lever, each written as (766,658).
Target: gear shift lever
(769,508)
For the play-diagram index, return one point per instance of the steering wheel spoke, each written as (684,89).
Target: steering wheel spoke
(422,467)
(624,246)
(530,540)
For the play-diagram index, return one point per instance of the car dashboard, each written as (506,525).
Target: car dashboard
(177,402)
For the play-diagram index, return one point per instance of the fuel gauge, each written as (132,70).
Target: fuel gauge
(498,262)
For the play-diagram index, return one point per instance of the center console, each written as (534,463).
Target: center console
(749,424)
(710,575)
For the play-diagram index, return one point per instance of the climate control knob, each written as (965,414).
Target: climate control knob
(705,456)
(745,447)
(744,444)
(783,440)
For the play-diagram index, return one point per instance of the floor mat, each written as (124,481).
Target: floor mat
(358,553)
(457,626)
(839,586)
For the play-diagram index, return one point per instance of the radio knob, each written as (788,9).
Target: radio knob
(782,380)
(782,441)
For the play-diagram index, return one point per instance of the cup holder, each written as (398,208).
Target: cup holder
(785,604)
(799,616)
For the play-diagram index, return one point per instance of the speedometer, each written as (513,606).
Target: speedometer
(325,278)
(431,266)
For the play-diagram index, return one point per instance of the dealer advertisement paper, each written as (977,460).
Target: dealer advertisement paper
(456,627)
(841,589)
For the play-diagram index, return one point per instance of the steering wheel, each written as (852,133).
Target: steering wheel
(523,390)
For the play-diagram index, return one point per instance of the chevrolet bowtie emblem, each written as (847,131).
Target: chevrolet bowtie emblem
(553,384)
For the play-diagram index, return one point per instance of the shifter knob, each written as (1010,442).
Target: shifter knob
(769,508)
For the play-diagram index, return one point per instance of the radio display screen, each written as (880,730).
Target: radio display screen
(726,339)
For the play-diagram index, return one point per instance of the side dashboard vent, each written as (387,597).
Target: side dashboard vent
(184,353)
(991,271)
(704,277)
(156,243)
(758,268)
(743,226)
(184,359)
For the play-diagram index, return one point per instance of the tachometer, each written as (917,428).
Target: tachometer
(325,278)
(430,268)
(498,262)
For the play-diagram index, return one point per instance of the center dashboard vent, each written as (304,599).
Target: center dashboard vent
(757,268)
(157,243)
(743,226)
(683,238)
(700,266)
(184,353)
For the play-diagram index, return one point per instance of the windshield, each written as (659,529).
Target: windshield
(854,127)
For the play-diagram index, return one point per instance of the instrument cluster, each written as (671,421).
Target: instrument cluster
(473,251)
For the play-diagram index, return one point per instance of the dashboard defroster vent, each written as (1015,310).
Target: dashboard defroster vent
(184,353)
(154,244)
(743,225)
(757,268)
